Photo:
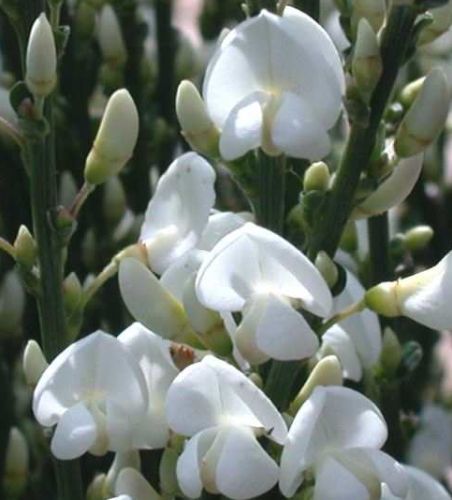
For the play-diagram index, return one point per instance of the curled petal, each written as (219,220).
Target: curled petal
(178,211)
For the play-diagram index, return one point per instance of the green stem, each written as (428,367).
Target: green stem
(39,154)
(355,308)
(361,141)
(271,192)
(378,229)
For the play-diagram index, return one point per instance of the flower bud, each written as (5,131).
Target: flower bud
(41,59)
(372,10)
(366,64)
(317,177)
(33,363)
(410,92)
(115,139)
(16,464)
(425,118)
(110,38)
(68,189)
(167,472)
(418,238)
(391,353)
(84,20)
(327,371)
(197,127)
(442,19)
(72,293)
(25,247)
(131,482)
(327,268)
(122,460)
(97,489)
(114,202)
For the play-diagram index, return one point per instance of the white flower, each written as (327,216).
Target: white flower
(423,297)
(93,392)
(421,486)
(132,485)
(153,355)
(276,83)
(223,412)
(257,272)
(338,433)
(178,211)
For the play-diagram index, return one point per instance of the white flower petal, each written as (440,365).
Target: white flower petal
(364,327)
(219,225)
(335,482)
(188,469)
(297,130)
(425,296)
(253,260)
(148,301)
(193,401)
(393,190)
(422,486)
(282,333)
(243,128)
(98,365)
(243,469)
(336,340)
(178,211)
(333,418)
(75,433)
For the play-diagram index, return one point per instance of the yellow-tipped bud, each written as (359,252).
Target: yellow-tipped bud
(110,38)
(418,237)
(367,65)
(33,363)
(115,139)
(197,127)
(327,268)
(167,472)
(41,59)
(16,464)
(317,177)
(327,371)
(97,489)
(411,91)
(25,247)
(72,293)
(425,118)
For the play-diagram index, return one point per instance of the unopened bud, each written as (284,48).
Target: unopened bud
(41,59)
(131,482)
(122,460)
(327,371)
(391,353)
(317,177)
(372,10)
(418,238)
(72,293)
(25,247)
(410,92)
(366,64)
(97,489)
(16,464)
(442,19)
(84,20)
(256,379)
(425,118)
(110,37)
(327,268)
(197,127)
(33,363)
(115,139)
(167,472)
(68,189)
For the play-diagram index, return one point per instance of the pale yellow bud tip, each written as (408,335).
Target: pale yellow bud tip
(327,371)
(41,58)
(26,249)
(33,362)
(317,177)
(418,237)
(115,139)
(327,268)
